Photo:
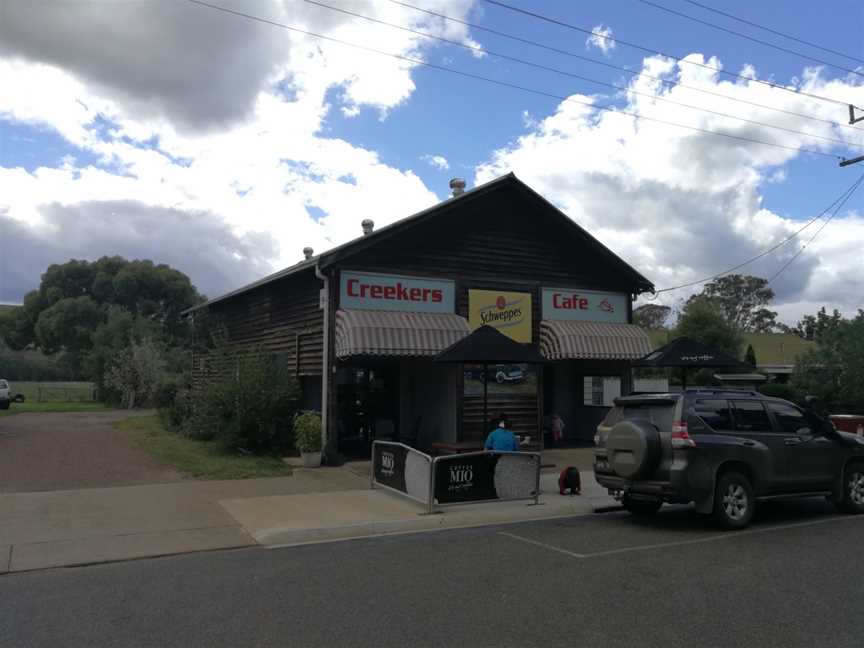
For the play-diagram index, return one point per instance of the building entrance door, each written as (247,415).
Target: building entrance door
(368,407)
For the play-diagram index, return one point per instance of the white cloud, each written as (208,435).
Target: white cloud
(248,154)
(680,205)
(601,38)
(437,161)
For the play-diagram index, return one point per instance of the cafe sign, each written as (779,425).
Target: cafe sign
(509,312)
(584,305)
(368,291)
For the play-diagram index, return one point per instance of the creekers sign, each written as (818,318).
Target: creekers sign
(396,293)
(584,305)
(509,312)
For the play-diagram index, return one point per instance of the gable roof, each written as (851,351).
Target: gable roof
(342,252)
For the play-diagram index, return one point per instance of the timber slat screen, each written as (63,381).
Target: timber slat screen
(521,409)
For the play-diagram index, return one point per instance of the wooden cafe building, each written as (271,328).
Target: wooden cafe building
(360,324)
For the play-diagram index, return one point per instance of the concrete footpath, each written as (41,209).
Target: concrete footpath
(298,519)
(74,527)
(40,530)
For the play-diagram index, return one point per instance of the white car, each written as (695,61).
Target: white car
(5,396)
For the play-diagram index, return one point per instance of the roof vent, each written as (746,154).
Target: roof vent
(368,226)
(458,186)
(307,253)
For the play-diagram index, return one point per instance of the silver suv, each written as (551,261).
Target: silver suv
(5,396)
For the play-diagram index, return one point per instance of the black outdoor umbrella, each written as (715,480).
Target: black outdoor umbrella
(686,353)
(487,345)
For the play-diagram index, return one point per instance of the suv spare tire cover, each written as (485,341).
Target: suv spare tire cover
(633,448)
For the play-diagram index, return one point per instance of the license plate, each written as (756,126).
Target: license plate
(601,465)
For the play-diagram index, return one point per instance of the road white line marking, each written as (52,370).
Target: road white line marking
(732,535)
(543,544)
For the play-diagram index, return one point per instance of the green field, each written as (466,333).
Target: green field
(81,406)
(53,392)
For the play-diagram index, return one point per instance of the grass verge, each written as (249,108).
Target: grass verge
(19,408)
(199,459)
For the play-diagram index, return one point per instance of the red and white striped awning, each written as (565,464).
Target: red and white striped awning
(396,333)
(566,340)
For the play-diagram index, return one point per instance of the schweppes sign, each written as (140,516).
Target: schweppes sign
(509,312)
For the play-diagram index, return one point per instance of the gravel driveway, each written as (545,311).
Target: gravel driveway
(60,451)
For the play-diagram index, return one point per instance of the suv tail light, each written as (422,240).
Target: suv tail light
(680,437)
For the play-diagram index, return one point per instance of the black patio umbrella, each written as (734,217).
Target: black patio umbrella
(686,353)
(487,345)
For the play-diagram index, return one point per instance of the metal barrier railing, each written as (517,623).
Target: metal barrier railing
(450,480)
(402,469)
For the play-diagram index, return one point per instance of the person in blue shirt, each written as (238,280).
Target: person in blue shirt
(502,439)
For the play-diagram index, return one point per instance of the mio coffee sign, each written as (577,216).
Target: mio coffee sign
(368,291)
(584,305)
(388,463)
(466,479)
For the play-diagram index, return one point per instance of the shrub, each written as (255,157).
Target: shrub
(248,403)
(174,401)
(307,432)
(137,372)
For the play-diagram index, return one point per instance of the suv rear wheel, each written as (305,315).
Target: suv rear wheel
(853,489)
(733,501)
(641,507)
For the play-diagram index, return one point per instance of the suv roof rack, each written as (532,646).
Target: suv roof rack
(715,390)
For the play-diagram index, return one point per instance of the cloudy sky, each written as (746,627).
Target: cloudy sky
(221,145)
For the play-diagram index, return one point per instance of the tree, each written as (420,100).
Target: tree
(75,299)
(651,316)
(703,319)
(743,300)
(750,355)
(812,326)
(137,372)
(834,369)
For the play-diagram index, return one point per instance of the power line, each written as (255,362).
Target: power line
(753,39)
(824,225)
(612,66)
(507,84)
(839,201)
(567,25)
(774,31)
(539,66)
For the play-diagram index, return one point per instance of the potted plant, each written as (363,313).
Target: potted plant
(307,438)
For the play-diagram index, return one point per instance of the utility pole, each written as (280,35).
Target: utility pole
(853,120)
(845,162)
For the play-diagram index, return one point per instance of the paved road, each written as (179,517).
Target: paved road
(59,451)
(793,580)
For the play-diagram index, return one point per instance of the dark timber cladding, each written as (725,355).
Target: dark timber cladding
(501,237)
(281,317)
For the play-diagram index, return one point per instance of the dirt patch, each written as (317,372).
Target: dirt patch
(61,451)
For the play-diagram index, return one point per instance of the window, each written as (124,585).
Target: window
(659,415)
(750,416)
(790,419)
(714,412)
(601,391)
